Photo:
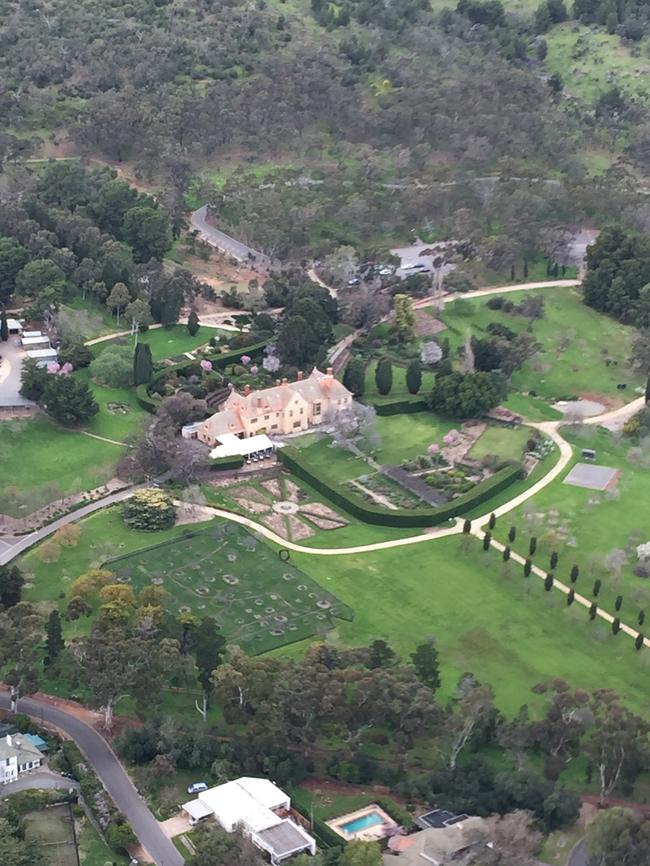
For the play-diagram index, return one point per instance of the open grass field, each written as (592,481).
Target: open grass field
(120,415)
(166,342)
(399,391)
(45,461)
(52,829)
(506,443)
(506,630)
(584,526)
(223,571)
(592,61)
(582,351)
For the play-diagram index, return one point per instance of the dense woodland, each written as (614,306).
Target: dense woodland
(387,117)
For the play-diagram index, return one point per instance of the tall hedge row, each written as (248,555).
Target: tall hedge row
(324,835)
(407,518)
(401,407)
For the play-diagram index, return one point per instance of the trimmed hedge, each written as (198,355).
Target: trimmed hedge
(401,517)
(401,407)
(236,461)
(150,404)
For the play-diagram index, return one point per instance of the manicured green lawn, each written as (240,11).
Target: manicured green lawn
(582,351)
(531,408)
(507,443)
(120,415)
(45,461)
(167,342)
(331,462)
(584,526)
(406,436)
(399,391)
(507,631)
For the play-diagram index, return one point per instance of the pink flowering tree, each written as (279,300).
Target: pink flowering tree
(451,437)
(434,452)
(245,359)
(255,369)
(206,366)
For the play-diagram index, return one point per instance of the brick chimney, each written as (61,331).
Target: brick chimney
(247,390)
(300,375)
(330,371)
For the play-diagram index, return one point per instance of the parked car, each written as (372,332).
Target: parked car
(197,787)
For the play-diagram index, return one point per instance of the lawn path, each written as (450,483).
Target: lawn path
(104,439)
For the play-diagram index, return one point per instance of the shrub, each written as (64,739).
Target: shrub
(512,534)
(506,553)
(548,582)
(575,571)
(597,585)
(234,462)
(487,540)
(638,641)
(616,625)
(150,509)
(384,377)
(114,367)
(570,597)
(528,567)
(593,610)
(532,546)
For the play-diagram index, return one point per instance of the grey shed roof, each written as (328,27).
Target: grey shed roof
(284,838)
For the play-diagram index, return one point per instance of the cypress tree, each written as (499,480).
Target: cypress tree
(647,386)
(506,554)
(638,642)
(54,642)
(593,610)
(512,534)
(512,273)
(487,540)
(492,522)
(384,377)
(616,625)
(528,567)
(548,582)
(641,618)
(192,323)
(618,604)
(554,559)
(525,269)
(597,585)
(4,327)
(467,527)
(532,546)
(414,377)
(575,571)
(570,597)
(354,377)
(142,364)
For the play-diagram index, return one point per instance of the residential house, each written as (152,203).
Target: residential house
(456,844)
(18,755)
(260,810)
(289,407)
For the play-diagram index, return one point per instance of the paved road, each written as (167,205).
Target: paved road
(40,779)
(222,241)
(578,855)
(111,773)
(9,552)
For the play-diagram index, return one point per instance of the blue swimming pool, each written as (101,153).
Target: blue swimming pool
(369,820)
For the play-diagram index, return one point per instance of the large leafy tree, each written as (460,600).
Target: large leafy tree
(146,230)
(617,837)
(208,647)
(11,584)
(13,258)
(68,400)
(464,395)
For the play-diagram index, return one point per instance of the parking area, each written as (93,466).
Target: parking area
(11,360)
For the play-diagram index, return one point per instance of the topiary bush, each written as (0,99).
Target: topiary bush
(150,510)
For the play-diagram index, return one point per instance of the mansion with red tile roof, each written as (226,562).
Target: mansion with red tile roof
(289,407)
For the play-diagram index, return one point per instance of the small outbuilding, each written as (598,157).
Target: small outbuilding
(14,327)
(43,357)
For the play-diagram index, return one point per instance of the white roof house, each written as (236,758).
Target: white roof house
(14,326)
(260,809)
(232,446)
(32,333)
(42,356)
(35,342)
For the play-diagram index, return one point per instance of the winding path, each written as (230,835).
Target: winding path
(113,776)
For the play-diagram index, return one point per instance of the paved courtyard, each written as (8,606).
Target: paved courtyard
(592,477)
(10,365)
